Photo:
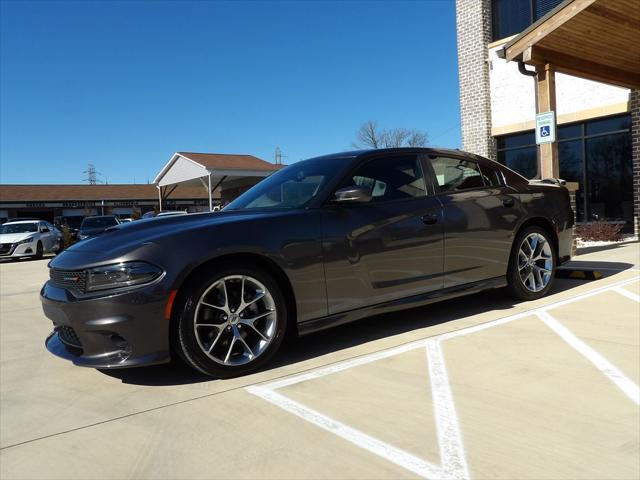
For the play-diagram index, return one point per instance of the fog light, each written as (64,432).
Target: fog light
(28,250)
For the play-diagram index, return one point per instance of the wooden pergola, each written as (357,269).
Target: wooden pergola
(593,39)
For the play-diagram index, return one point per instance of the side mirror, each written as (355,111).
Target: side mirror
(353,194)
(44,230)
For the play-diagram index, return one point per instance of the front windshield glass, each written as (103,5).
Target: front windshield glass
(98,222)
(19,227)
(292,187)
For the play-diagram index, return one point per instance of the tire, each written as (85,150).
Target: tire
(224,352)
(531,278)
(39,250)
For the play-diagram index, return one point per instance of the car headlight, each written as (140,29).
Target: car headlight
(121,275)
(26,240)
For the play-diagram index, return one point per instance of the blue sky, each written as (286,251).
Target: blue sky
(123,85)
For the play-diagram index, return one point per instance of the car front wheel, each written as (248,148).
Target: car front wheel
(532,266)
(233,321)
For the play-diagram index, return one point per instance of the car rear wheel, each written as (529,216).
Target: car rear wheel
(233,321)
(532,266)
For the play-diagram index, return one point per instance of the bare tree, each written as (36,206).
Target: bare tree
(417,138)
(370,136)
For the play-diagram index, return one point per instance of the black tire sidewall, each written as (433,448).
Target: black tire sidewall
(39,250)
(185,341)
(515,286)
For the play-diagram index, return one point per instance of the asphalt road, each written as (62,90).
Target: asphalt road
(478,387)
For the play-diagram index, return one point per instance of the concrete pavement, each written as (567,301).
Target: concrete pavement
(527,403)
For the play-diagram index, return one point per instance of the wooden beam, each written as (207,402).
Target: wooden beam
(529,38)
(546,85)
(565,63)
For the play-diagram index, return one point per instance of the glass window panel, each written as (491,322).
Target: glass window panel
(510,17)
(453,174)
(571,160)
(517,140)
(610,177)
(391,178)
(570,131)
(542,7)
(522,160)
(608,125)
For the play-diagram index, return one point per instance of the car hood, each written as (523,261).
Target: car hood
(15,237)
(126,239)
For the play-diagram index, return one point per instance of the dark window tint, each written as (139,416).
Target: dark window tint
(511,17)
(492,176)
(391,178)
(569,131)
(608,125)
(609,177)
(453,174)
(522,160)
(518,140)
(571,159)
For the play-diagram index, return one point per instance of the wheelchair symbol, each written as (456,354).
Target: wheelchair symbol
(545,131)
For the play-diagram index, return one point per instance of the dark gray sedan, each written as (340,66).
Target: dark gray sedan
(322,242)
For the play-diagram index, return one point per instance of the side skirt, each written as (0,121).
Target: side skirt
(334,320)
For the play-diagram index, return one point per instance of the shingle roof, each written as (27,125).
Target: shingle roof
(18,193)
(230,162)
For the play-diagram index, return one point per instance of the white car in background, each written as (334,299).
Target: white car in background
(29,238)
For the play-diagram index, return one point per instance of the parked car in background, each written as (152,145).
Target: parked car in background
(319,243)
(94,226)
(29,238)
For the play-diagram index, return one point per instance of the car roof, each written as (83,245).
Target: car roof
(23,221)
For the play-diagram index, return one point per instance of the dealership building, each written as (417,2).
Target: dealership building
(189,181)
(579,59)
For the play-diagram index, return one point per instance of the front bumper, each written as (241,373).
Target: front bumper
(123,330)
(22,250)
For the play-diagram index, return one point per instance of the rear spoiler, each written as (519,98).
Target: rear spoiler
(551,181)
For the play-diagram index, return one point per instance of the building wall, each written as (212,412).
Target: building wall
(634,104)
(473,24)
(513,97)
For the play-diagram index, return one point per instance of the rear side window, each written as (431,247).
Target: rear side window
(492,177)
(391,178)
(454,174)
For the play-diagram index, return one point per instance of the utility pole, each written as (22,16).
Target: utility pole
(92,175)
(279,156)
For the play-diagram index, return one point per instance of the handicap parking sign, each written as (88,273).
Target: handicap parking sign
(545,127)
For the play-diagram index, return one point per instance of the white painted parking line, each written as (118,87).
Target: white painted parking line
(627,294)
(452,455)
(612,372)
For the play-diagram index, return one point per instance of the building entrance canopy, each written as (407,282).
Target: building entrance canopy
(210,171)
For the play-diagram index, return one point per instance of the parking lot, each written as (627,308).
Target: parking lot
(477,387)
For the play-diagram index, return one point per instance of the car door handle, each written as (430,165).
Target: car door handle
(508,202)
(429,219)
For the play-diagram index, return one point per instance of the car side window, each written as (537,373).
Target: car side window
(391,178)
(454,174)
(492,177)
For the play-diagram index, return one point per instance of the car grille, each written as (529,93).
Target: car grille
(5,248)
(68,336)
(73,279)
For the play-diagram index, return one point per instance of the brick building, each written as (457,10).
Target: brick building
(598,122)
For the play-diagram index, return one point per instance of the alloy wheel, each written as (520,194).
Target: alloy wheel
(535,262)
(235,320)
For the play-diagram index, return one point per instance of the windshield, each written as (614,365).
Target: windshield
(98,222)
(291,187)
(18,227)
